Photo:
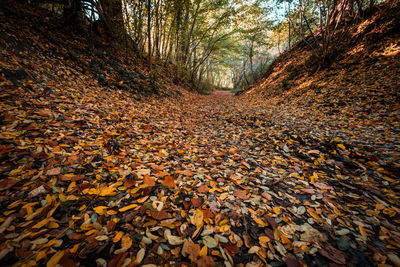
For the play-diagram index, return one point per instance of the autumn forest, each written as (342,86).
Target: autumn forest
(199,133)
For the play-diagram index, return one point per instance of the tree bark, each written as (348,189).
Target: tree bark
(113,19)
(149,29)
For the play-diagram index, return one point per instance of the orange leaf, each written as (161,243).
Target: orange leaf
(126,241)
(148,180)
(187,173)
(117,237)
(169,181)
(55,259)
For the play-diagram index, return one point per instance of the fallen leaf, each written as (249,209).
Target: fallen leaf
(240,194)
(169,181)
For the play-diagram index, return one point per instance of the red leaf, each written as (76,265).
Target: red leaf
(7,184)
(196,202)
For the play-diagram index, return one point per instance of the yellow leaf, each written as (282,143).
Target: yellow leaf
(86,226)
(276,210)
(362,231)
(224,228)
(53,225)
(128,207)
(100,209)
(203,251)
(55,259)
(72,198)
(71,186)
(313,177)
(142,199)
(111,212)
(197,218)
(14,204)
(92,232)
(30,263)
(62,197)
(74,249)
(41,255)
(341,146)
(41,223)
(126,241)
(107,191)
(259,221)
(263,240)
(49,199)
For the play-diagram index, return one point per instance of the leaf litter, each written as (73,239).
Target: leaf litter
(92,176)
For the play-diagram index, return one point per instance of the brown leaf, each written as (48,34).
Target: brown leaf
(308,190)
(322,186)
(55,171)
(7,184)
(240,194)
(149,180)
(203,188)
(291,261)
(266,196)
(72,178)
(187,173)
(333,254)
(193,250)
(160,215)
(247,241)
(205,261)
(44,112)
(271,221)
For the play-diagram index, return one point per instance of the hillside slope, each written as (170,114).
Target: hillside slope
(362,83)
(37,48)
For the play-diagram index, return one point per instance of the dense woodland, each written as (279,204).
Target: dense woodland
(217,43)
(199,133)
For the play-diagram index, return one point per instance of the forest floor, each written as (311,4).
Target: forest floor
(92,173)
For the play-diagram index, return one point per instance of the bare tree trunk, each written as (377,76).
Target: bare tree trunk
(288,14)
(113,18)
(149,29)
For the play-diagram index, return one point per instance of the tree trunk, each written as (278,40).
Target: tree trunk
(113,19)
(149,29)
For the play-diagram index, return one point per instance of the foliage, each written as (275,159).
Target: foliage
(92,177)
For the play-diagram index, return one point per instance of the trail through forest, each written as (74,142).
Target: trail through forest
(207,180)
(105,161)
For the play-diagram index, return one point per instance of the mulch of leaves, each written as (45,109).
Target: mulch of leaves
(91,176)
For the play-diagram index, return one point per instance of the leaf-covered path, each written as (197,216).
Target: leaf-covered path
(92,176)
